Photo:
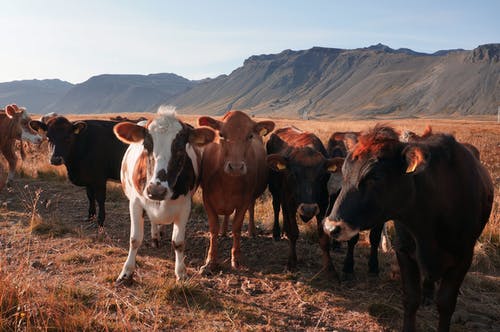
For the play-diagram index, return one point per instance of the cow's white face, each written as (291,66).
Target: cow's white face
(29,134)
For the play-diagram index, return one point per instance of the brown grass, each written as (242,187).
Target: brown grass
(58,274)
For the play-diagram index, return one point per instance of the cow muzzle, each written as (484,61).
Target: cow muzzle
(307,211)
(56,160)
(235,168)
(338,230)
(156,192)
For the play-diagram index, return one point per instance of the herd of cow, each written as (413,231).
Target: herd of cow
(434,188)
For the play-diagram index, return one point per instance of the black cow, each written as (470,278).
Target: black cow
(91,153)
(297,182)
(438,194)
(339,144)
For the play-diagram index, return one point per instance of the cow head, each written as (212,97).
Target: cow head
(165,141)
(307,171)
(376,183)
(237,133)
(61,134)
(20,120)
(339,144)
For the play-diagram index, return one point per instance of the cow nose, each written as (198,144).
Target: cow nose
(335,231)
(236,168)
(56,160)
(331,228)
(307,211)
(156,192)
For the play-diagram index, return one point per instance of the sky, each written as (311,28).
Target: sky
(74,40)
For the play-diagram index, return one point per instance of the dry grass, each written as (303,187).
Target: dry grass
(57,274)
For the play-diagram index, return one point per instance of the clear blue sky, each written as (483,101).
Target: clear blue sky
(74,40)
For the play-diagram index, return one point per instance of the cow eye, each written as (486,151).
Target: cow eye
(250,137)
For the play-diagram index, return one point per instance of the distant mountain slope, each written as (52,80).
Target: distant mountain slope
(120,94)
(377,80)
(35,95)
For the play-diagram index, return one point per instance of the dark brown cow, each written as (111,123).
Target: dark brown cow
(339,144)
(233,175)
(298,184)
(14,126)
(438,194)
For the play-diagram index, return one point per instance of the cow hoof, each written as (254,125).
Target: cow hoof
(208,269)
(235,265)
(155,243)
(223,234)
(125,281)
(182,277)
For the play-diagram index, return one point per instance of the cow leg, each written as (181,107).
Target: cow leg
(324,243)
(448,292)
(291,230)
(225,225)
(410,277)
(213,226)
(252,232)
(427,291)
(100,195)
(375,235)
(178,242)
(91,197)
(10,155)
(136,237)
(276,224)
(239,215)
(348,268)
(155,235)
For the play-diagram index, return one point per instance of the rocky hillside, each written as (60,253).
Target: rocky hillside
(120,94)
(35,95)
(365,82)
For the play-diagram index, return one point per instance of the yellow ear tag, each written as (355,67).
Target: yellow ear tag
(263,132)
(280,166)
(412,167)
(77,131)
(332,168)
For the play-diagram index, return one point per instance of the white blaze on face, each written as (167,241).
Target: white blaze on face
(163,131)
(338,230)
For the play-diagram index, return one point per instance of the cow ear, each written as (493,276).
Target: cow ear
(129,132)
(209,122)
(38,126)
(417,159)
(264,127)
(276,162)
(79,127)
(10,111)
(201,136)
(334,165)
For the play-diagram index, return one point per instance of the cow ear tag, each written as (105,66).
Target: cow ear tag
(280,166)
(412,167)
(332,168)
(263,132)
(77,130)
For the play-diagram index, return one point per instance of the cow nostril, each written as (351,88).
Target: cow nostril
(335,231)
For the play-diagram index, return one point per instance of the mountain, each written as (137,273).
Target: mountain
(363,82)
(120,94)
(35,95)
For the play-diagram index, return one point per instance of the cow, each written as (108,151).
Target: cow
(120,118)
(159,175)
(440,198)
(14,126)
(339,144)
(233,175)
(91,153)
(298,185)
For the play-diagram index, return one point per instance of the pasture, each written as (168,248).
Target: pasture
(57,273)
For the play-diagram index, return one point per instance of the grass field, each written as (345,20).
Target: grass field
(56,273)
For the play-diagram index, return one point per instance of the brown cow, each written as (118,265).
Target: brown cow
(233,175)
(14,125)
(440,198)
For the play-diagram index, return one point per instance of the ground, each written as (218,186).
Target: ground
(58,273)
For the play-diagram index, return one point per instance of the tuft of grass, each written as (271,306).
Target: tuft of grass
(384,311)
(53,228)
(189,294)
(50,175)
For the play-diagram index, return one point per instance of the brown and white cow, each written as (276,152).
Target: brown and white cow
(159,175)
(14,125)
(440,198)
(234,174)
